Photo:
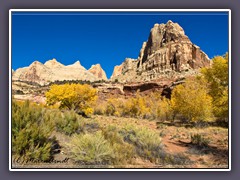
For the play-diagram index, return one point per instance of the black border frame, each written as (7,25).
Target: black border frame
(60,4)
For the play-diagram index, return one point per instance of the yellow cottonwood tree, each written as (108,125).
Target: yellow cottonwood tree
(114,106)
(136,107)
(77,97)
(192,101)
(217,77)
(165,111)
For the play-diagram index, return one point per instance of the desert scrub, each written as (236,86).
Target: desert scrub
(100,107)
(124,152)
(30,132)
(199,140)
(177,160)
(89,125)
(114,107)
(67,122)
(162,133)
(90,149)
(147,142)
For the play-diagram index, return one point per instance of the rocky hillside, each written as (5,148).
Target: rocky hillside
(52,71)
(168,53)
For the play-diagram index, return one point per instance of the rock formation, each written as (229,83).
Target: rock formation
(36,72)
(167,53)
(76,65)
(53,64)
(53,71)
(117,71)
(167,57)
(98,72)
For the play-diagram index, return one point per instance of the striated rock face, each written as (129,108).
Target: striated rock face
(36,72)
(167,53)
(98,72)
(108,90)
(52,71)
(126,71)
(117,71)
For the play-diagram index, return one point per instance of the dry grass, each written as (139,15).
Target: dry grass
(176,141)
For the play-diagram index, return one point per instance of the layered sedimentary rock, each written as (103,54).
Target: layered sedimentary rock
(126,72)
(167,53)
(98,72)
(117,71)
(52,71)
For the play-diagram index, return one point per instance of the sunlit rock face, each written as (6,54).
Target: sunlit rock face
(53,70)
(98,72)
(167,53)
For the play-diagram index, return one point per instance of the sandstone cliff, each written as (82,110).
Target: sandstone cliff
(52,71)
(53,64)
(117,71)
(98,72)
(168,53)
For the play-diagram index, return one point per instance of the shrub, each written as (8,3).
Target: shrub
(111,106)
(178,159)
(30,132)
(136,107)
(165,110)
(100,107)
(123,151)
(67,123)
(153,102)
(141,106)
(90,149)
(89,125)
(114,107)
(147,142)
(199,140)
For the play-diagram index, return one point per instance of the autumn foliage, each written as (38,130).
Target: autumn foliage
(217,78)
(192,100)
(77,97)
(201,98)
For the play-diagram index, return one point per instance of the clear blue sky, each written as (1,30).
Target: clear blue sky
(105,38)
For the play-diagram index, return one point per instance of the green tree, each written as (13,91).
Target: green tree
(192,101)
(77,97)
(217,78)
